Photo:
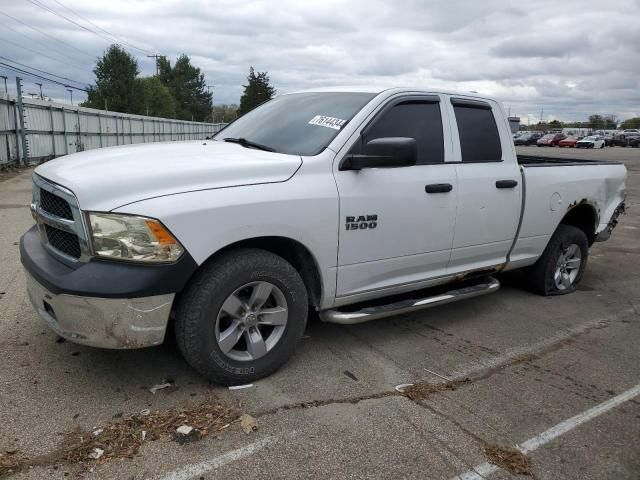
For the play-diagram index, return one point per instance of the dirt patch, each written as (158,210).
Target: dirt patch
(509,458)
(11,462)
(123,439)
(420,391)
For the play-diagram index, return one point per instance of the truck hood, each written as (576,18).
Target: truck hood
(105,179)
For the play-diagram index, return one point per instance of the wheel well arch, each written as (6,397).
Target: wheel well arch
(292,251)
(584,216)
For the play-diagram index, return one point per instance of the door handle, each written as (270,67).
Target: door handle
(438,188)
(506,183)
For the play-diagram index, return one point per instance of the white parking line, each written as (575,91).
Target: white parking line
(511,354)
(188,472)
(481,471)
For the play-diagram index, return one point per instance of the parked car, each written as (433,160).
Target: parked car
(592,141)
(608,139)
(634,142)
(527,139)
(569,141)
(623,139)
(551,139)
(232,240)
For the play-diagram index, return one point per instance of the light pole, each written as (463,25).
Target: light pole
(40,85)
(70,93)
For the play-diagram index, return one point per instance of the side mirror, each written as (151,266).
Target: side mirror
(387,152)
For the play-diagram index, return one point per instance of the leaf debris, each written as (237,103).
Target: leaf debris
(509,458)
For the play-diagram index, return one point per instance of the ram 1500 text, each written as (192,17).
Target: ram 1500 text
(359,203)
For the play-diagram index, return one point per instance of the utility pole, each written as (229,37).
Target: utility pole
(5,84)
(157,66)
(209,91)
(40,85)
(70,90)
(541,115)
(25,148)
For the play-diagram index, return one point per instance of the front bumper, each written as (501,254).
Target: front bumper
(103,322)
(106,304)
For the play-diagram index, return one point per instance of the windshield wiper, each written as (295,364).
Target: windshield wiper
(248,143)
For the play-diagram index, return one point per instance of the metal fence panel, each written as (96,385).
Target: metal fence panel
(54,129)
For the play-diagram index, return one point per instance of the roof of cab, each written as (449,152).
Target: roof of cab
(380,89)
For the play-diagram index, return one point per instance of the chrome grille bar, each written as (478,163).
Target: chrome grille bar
(76,226)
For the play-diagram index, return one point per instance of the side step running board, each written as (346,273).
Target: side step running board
(488,285)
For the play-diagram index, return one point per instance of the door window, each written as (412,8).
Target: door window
(479,137)
(413,119)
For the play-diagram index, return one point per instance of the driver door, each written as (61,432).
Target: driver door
(396,224)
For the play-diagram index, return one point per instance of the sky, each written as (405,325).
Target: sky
(566,59)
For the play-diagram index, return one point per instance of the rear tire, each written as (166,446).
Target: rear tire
(223,327)
(561,266)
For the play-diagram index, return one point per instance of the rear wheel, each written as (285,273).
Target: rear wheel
(242,316)
(559,270)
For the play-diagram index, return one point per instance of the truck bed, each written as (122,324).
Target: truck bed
(543,161)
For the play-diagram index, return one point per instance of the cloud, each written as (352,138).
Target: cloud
(571,61)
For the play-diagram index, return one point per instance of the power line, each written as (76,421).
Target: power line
(35,75)
(38,70)
(42,54)
(112,38)
(94,25)
(47,35)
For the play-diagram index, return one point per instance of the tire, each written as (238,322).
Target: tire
(542,276)
(228,284)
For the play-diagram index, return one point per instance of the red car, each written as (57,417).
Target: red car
(569,142)
(551,139)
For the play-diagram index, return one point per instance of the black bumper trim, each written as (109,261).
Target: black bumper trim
(102,278)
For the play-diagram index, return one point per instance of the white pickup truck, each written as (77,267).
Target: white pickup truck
(357,203)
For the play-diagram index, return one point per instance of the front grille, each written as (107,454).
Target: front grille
(55,205)
(65,242)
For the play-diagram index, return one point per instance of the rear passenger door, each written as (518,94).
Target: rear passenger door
(489,186)
(408,238)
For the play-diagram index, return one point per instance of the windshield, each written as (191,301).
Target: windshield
(297,124)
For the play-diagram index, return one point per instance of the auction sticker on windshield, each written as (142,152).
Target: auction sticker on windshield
(329,122)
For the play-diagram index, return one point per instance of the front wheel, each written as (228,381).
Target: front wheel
(559,270)
(242,316)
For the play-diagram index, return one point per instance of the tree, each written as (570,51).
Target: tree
(224,113)
(631,123)
(115,87)
(610,122)
(256,91)
(596,121)
(154,98)
(188,88)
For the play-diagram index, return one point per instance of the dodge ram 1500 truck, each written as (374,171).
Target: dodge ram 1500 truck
(358,203)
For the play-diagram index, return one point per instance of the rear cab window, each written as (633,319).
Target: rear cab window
(478,131)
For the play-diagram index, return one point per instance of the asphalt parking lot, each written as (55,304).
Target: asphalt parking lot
(557,375)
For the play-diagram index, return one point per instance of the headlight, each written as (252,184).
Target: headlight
(132,238)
